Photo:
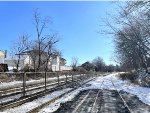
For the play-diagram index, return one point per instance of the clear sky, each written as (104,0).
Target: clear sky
(77,23)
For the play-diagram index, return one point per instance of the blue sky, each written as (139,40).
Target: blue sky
(77,24)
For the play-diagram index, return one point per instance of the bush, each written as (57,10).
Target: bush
(15,70)
(141,78)
(79,69)
(144,79)
(132,77)
(27,68)
(3,76)
(3,67)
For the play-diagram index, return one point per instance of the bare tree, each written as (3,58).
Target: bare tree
(51,52)
(74,63)
(45,43)
(18,47)
(33,52)
(40,26)
(48,52)
(99,64)
(137,31)
(132,36)
(88,66)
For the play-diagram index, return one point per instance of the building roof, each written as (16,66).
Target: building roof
(63,59)
(37,52)
(12,62)
(29,51)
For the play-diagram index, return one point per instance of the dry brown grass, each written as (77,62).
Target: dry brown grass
(130,76)
(4,78)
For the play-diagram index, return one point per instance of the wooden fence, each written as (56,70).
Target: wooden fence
(34,79)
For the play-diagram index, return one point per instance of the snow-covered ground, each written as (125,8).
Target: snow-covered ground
(106,82)
(30,105)
(54,106)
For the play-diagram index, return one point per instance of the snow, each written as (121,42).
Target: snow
(106,83)
(102,82)
(30,105)
(54,106)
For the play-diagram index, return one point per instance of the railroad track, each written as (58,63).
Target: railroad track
(28,98)
(31,97)
(16,91)
(30,90)
(95,101)
(92,97)
(36,109)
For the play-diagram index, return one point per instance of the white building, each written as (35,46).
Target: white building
(2,56)
(30,58)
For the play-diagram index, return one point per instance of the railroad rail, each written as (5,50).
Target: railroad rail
(95,101)
(36,109)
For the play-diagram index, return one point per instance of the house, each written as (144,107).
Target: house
(12,65)
(31,58)
(2,56)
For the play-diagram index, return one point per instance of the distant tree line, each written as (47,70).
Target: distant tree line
(99,65)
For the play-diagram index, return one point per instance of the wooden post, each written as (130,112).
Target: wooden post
(24,84)
(72,77)
(80,76)
(45,79)
(58,77)
(66,78)
(86,75)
